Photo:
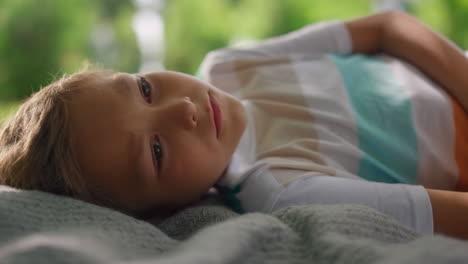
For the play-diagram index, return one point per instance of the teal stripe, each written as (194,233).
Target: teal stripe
(383,114)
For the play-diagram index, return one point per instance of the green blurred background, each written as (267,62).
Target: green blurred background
(43,39)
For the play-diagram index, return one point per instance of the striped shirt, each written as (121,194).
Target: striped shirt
(328,127)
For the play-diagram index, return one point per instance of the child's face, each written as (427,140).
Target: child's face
(154,143)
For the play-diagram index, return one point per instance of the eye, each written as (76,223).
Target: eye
(157,152)
(145,88)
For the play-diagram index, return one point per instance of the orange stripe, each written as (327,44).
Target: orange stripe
(461,145)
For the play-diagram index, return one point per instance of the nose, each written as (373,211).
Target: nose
(183,111)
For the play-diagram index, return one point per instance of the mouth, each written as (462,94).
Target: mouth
(216,114)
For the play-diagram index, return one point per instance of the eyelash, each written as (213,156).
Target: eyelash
(157,151)
(145,89)
(156,148)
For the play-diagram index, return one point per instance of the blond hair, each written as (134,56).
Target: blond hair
(36,147)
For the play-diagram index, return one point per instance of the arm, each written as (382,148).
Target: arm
(450,212)
(402,36)
(408,204)
(323,37)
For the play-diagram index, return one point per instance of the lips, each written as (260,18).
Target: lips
(216,114)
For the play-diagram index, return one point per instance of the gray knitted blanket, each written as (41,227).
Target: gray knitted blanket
(37,227)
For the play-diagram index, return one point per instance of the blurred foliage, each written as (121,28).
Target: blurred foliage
(193,28)
(40,40)
(7,109)
(448,17)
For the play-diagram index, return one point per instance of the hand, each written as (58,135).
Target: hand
(402,36)
(450,212)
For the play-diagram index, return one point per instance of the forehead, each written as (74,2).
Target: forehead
(100,86)
(105,147)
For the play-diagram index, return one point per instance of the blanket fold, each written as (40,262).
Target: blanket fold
(37,227)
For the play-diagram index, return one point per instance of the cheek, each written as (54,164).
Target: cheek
(199,155)
(205,165)
(199,169)
(193,177)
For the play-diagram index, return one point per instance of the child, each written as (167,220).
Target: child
(282,123)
